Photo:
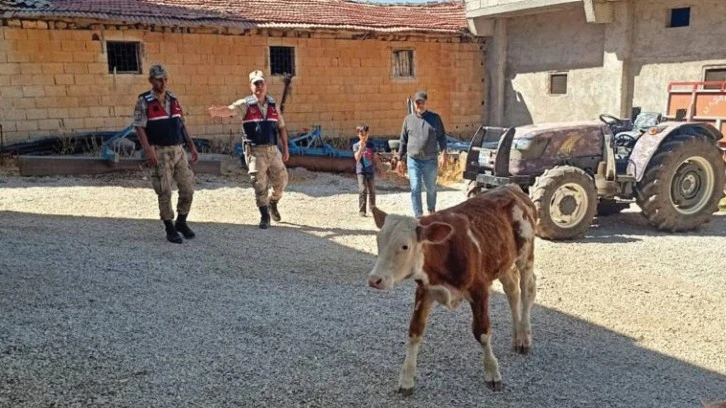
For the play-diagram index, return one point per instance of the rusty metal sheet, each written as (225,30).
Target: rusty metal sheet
(68,165)
(321,163)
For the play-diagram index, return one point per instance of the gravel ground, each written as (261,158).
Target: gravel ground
(97,309)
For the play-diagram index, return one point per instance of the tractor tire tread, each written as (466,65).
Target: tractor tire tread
(541,192)
(652,192)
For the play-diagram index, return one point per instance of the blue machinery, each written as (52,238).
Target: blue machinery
(309,144)
(108,151)
(312,144)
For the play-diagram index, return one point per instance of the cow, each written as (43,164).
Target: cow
(456,254)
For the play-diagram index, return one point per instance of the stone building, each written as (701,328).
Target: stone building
(555,60)
(78,66)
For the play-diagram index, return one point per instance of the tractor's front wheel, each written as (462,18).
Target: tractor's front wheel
(682,184)
(566,201)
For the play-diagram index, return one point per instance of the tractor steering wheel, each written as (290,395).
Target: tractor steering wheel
(624,140)
(610,119)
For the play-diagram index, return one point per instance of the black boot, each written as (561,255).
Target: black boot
(265,220)
(171,234)
(273,211)
(181,226)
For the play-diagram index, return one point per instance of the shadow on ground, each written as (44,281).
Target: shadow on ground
(104,312)
(631,225)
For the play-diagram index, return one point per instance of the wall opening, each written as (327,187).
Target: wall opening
(123,57)
(402,64)
(282,60)
(716,74)
(680,17)
(558,83)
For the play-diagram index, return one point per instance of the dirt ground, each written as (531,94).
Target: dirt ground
(97,309)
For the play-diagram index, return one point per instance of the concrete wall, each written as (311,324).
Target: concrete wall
(544,43)
(611,67)
(662,55)
(56,81)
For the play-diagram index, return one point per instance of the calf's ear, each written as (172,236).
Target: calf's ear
(435,233)
(379,216)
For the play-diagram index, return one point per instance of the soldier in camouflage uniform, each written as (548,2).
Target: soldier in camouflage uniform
(262,123)
(159,123)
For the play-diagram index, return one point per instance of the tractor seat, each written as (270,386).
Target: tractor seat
(647,120)
(643,122)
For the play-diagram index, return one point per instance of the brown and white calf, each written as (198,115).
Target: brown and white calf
(455,255)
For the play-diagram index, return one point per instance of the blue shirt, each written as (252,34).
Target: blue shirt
(366,164)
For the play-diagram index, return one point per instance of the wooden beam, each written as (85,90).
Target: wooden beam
(69,165)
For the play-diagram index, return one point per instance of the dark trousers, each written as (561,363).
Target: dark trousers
(366,187)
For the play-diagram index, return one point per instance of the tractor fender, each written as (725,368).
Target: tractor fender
(649,143)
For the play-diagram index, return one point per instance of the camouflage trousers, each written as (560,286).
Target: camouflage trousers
(266,169)
(172,166)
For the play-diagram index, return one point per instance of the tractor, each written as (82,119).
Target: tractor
(673,170)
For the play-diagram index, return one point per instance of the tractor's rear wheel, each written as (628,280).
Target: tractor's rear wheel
(566,201)
(682,184)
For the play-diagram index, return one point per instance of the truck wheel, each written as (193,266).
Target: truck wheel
(682,184)
(566,202)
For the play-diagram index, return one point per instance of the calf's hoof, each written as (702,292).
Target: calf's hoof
(406,392)
(522,349)
(522,343)
(494,385)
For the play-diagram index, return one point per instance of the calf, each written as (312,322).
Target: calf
(455,255)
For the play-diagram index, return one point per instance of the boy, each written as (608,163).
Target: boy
(365,168)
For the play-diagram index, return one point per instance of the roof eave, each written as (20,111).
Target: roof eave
(212,22)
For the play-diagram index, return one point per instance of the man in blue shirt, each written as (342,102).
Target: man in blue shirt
(423,138)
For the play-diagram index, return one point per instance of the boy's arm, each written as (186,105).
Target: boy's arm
(358,151)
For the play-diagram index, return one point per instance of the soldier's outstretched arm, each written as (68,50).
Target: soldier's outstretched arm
(221,112)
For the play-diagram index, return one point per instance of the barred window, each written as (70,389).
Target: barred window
(402,64)
(123,57)
(282,60)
